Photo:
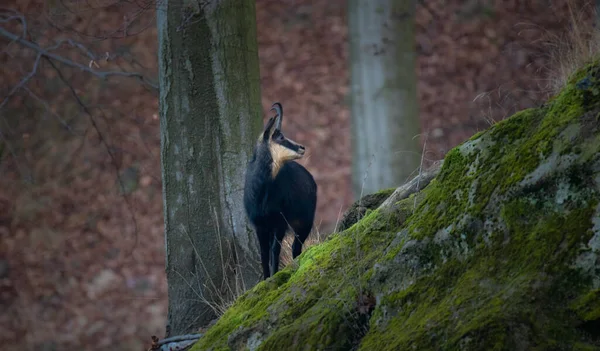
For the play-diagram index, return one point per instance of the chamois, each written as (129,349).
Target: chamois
(279,193)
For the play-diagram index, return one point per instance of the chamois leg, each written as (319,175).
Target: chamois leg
(265,238)
(300,235)
(276,247)
(275,250)
(296,247)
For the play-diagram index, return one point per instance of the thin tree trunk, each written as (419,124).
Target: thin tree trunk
(209,120)
(385,120)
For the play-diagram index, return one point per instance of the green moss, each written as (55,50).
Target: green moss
(249,308)
(295,295)
(483,258)
(579,346)
(466,298)
(385,193)
(496,160)
(359,209)
(533,229)
(476,135)
(444,199)
(588,306)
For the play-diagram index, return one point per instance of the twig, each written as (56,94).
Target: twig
(37,61)
(49,110)
(103,141)
(23,81)
(121,32)
(101,74)
(179,342)
(420,171)
(7,145)
(16,15)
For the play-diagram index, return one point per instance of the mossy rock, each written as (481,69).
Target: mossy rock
(357,210)
(370,202)
(501,251)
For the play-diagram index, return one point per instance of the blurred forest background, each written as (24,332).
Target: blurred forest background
(81,219)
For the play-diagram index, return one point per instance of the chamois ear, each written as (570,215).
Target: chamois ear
(279,114)
(268,126)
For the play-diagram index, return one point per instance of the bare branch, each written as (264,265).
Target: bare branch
(123,29)
(49,110)
(179,342)
(23,81)
(15,16)
(103,141)
(48,55)
(6,144)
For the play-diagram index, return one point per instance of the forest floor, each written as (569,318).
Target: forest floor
(82,258)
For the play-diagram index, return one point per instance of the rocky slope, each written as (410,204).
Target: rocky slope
(500,251)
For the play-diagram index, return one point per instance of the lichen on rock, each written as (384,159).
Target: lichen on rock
(500,251)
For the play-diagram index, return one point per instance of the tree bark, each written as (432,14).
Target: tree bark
(597,10)
(210,116)
(385,114)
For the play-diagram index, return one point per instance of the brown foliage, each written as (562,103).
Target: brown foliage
(66,279)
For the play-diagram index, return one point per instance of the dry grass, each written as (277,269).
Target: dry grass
(315,237)
(575,47)
(565,53)
(224,292)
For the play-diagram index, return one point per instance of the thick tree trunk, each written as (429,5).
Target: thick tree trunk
(210,118)
(385,121)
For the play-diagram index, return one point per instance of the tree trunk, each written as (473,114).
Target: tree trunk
(209,120)
(385,114)
(597,10)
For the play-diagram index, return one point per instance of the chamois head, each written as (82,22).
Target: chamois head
(281,148)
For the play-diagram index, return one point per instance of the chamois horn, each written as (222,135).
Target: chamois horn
(279,117)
